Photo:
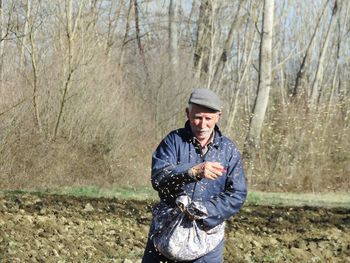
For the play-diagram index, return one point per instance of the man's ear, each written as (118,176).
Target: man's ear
(220,114)
(188,113)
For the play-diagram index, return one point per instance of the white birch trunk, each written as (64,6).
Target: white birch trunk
(264,85)
(173,33)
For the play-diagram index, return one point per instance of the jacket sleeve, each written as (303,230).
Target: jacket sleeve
(167,174)
(228,202)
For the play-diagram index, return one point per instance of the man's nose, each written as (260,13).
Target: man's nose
(202,124)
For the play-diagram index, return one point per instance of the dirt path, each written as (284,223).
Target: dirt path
(67,229)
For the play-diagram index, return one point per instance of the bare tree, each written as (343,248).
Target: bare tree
(203,39)
(25,33)
(113,25)
(316,90)
(71,31)
(138,37)
(235,92)
(301,70)
(173,34)
(33,54)
(264,84)
(126,35)
(225,51)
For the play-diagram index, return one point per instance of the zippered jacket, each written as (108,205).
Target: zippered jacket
(177,153)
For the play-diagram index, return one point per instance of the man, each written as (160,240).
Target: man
(200,162)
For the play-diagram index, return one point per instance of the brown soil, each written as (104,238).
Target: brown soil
(67,229)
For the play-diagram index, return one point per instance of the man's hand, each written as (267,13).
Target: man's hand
(208,170)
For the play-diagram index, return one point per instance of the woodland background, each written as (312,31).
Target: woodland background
(88,88)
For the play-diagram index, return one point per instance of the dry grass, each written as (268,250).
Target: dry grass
(304,151)
(106,139)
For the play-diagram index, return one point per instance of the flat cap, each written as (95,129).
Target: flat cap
(206,98)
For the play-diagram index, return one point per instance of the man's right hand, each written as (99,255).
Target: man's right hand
(208,170)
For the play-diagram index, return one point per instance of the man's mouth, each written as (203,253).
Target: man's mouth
(202,132)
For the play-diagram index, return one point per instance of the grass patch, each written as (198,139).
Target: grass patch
(254,197)
(300,199)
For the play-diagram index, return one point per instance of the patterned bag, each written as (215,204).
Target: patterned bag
(178,237)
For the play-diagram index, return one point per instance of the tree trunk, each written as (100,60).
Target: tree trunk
(2,42)
(173,34)
(113,28)
(316,91)
(308,49)
(236,94)
(138,37)
(203,39)
(25,33)
(220,64)
(264,84)
(35,99)
(70,32)
(125,38)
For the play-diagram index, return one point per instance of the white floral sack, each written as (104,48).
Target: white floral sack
(178,236)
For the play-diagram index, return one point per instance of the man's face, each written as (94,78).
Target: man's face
(202,121)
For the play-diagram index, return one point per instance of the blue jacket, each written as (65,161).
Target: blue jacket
(177,153)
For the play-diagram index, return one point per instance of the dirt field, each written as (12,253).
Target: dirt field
(67,229)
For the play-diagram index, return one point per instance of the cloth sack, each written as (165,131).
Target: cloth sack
(178,235)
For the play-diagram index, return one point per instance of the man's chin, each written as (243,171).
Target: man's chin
(201,136)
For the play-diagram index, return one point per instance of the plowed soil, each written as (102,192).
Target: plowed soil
(67,229)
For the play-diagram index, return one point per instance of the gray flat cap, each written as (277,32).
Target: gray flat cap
(206,98)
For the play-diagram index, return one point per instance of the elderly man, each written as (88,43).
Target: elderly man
(200,162)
